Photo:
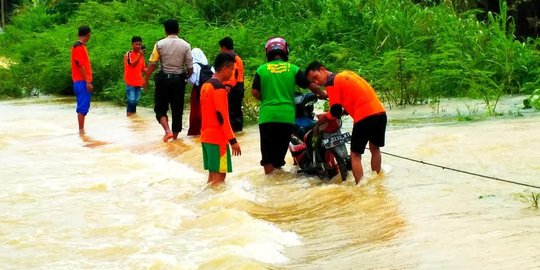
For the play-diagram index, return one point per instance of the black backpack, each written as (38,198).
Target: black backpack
(205,74)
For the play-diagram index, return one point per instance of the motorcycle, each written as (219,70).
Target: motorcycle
(318,149)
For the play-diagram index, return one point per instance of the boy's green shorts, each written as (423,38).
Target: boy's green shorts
(217,158)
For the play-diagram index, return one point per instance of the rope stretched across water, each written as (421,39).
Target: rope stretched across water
(461,171)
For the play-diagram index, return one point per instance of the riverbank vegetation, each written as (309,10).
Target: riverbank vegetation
(413,52)
(532,199)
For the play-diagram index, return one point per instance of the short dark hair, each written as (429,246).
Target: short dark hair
(313,66)
(84,30)
(227,43)
(223,60)
(171,26)
(136,39)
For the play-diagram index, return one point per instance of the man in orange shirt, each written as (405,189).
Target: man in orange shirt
(235,85)
(134,67)
(350,92)
(81,73)
(216,130)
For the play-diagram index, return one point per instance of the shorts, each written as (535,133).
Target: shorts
(370,129)
(217,158)
(275,138)
(83,97)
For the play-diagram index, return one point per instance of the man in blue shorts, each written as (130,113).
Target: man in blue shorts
(81,73)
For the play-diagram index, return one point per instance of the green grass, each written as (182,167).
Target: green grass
(410,53)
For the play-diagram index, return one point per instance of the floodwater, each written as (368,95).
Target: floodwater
(119,198)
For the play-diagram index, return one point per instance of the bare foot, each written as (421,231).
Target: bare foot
(167,137)
(217,185)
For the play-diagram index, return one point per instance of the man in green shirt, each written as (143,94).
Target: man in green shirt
(274,85)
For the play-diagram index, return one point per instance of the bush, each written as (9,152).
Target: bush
(409,52)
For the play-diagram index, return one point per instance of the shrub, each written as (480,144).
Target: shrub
(410,52)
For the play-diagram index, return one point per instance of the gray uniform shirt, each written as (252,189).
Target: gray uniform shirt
(174,54)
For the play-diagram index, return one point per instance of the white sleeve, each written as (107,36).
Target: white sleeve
(194,78)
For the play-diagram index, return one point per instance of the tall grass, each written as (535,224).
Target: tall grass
(411,53)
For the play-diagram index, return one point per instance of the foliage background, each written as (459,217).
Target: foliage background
(411,51)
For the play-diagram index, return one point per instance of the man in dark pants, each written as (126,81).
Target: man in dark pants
(274,85)
(235,85)
(174,54)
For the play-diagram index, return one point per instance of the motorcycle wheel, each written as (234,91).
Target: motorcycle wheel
(336,162)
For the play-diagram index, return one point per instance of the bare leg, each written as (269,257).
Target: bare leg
(175,135)
(130,113)
(216,178)
(356,163)
(80,118)
(268,168)
(376,158)
(164,121)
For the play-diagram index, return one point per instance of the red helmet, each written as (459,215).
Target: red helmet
(277,46)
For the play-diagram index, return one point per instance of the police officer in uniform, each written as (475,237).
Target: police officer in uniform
(174,54)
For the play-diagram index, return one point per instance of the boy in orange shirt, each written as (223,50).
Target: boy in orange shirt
(350,92)
(134,67)
(235,85)
(216,130)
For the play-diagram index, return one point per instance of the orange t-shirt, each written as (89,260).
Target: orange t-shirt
(355,95)
(216,127)
(238,72)
(133,74)
(79,57)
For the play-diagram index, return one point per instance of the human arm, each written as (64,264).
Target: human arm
(256,94)
(151,68)
(256,87)
(231,82)
(154,58)
(303,82)
(335,101)
(236,149)
(194,78)
(316,89)
(143,51)
(142,64)
(138,58)
(144,68)
(240,76)
(336,111)
(222,111)
(189,62)
(82,70)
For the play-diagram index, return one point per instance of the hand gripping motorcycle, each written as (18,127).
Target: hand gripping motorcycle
(318,149)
